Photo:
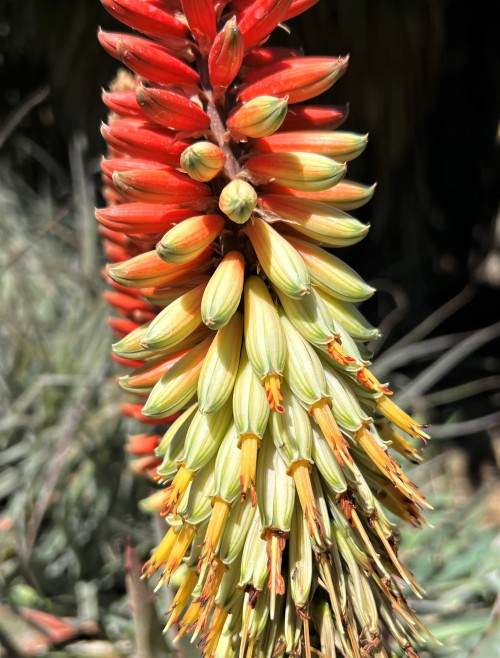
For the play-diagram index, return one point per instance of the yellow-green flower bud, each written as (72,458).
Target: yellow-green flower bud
(331,274)
(238,200)
(291,431)
(310,316)
(204,436)
(202,161)
(175,322)
(264,339)
(227,468)
(326,464)
(220,366)
(172,444)
(250,406)
(259,117)
(195,508)
(276,489)
(279,260)
(176,388)
(254,558)
(223,292)
(236,531)
(348,316)
(347,410)
(300,560)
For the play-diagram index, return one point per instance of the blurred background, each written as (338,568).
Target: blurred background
(424,82)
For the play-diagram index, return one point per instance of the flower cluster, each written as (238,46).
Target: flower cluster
(225,193)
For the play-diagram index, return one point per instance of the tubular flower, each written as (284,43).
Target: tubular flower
(274,448)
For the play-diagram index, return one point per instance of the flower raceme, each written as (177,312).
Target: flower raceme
(274,447)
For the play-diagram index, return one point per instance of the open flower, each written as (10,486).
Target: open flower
(274,446)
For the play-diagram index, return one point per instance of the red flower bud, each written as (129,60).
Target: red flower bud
(298,7)
(257,20)
(146,17)
(154,186)
(201,20)
(148,59)
(315,117)
(144,140)
(300,80)
(172,110)
(268,55)
(226,55)
(124,103)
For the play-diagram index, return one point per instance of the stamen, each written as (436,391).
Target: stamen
(272,384)
(397,416)
(275,546)
(176,491)
(249,444)
(218,518)
(300,471)
(181,597)
(322,413)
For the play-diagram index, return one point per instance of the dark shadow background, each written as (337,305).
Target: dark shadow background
(423,80)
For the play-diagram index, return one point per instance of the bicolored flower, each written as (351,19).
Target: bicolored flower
(274,448)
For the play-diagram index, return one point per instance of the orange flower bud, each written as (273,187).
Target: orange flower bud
(341,146)
(190,238)
(148,59)
(202,161)
(346,195)
(238,200)
(300,81)
(149,269)
(226,54)
(300,171)
(146,218)
(259,117)
(172,110)
(156,186)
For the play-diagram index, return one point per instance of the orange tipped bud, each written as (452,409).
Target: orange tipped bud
(259,18)
(346,195)
(202,161)
(131,410)
(238,200)
(142,139)
(148,59)
(172,110)
(202,21)
(300,171)
(190,238)
(298,78)
(315,117)
(123,103)
(149,269)
(342,146)
(144,218)
(110,165)
(146,17)
(153,186)
(142,380)
(260,117)
(226,55)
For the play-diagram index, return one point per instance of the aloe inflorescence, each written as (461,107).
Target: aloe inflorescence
(274,446)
